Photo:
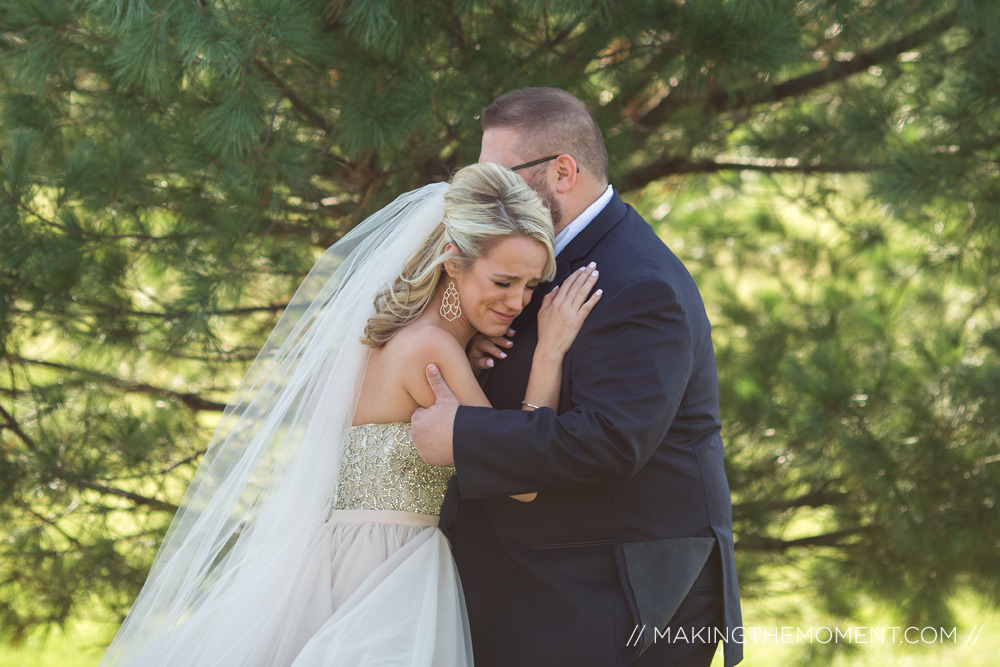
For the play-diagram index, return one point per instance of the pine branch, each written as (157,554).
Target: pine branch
(112,311)
(75,480)
(671,166)
(48,222)
(236,355)
(457,32)
(325,236)
(837,538)
(137,499)
(190,400)
(114,237)
(333,211)
(74,30)
(322,237)
(722,100)
(811,499)
(550,43)
(816,498)
(54,524)
(311,116)
(12,424)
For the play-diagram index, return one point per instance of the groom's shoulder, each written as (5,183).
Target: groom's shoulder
(643,254)
(633,259)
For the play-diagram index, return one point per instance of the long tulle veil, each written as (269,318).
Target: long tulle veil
(216,589)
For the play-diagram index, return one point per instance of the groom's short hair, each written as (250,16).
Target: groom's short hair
(550,121)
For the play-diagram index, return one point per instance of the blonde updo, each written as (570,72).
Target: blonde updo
(485,204)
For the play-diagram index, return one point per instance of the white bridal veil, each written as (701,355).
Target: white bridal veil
(219,580)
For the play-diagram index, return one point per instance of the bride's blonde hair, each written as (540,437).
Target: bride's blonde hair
(484,204)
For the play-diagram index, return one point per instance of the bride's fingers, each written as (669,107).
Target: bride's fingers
(589,304)
(583,289)
(548,299)
(571,281)
(581,273)
(574,280)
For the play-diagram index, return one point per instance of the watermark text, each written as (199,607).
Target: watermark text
(812,635)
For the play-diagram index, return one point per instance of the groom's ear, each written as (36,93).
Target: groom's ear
(566,173)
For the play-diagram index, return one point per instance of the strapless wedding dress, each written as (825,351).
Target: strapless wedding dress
(374,583)
(386,590)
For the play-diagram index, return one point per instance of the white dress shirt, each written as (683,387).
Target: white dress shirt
(570,231)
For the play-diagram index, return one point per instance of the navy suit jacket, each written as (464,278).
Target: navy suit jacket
(632,493)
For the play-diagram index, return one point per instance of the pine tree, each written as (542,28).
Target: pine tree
(169,169)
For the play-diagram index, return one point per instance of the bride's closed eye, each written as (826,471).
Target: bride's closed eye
(506,285)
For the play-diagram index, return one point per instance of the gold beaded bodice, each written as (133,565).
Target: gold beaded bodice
(380,470)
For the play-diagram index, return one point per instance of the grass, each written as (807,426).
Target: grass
(72,647)
(76,647)
(974,643)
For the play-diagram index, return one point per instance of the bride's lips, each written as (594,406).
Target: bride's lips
(504,318)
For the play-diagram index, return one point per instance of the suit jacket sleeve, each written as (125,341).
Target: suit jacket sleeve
(627,372)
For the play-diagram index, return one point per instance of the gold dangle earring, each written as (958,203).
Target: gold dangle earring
(451,306)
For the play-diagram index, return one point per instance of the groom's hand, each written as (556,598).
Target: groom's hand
(483,351)
(431,428)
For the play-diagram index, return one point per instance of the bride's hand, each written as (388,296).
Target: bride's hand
(565,309)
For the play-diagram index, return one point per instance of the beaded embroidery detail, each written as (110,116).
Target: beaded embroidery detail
(380,470)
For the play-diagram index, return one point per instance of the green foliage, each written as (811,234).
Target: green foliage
(828,168)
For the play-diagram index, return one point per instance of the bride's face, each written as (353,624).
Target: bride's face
(500,284)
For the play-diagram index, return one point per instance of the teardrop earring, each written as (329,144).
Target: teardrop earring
(451,306)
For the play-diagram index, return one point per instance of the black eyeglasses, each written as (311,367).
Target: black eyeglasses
(539,161)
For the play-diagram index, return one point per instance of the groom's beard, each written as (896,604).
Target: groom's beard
(544,190)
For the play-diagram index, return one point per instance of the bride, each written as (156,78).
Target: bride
(308,535)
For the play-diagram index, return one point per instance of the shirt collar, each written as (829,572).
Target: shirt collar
(570,231)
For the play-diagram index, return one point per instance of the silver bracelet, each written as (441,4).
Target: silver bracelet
(533,407)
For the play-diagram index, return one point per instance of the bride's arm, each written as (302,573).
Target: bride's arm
(434,346)
(431,345)
(560,317)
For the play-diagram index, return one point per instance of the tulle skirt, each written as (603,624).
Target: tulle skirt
(371,588)
(386,594)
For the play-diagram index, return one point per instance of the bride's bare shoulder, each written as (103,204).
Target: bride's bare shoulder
(423,343)
(410,351)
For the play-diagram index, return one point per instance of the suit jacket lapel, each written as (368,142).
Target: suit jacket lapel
(588,237)
(577,249)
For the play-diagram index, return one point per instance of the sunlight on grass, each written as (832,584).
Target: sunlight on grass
(781,642)
(975,643)
(57,648)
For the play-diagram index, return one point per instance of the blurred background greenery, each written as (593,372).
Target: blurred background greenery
(828,170)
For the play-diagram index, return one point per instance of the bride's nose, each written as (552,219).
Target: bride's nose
(517,300)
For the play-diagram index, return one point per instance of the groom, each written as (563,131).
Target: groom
(626,555)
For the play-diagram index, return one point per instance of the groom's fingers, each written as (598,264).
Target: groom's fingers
(482,351)
(442,392)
